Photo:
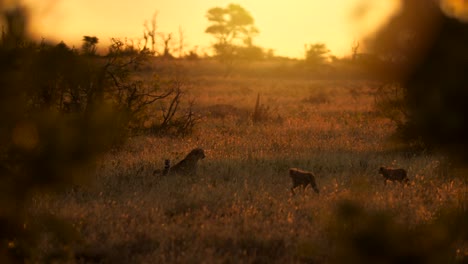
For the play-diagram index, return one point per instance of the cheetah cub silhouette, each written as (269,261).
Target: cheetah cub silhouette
(302,178)
(187,166)
(393,175)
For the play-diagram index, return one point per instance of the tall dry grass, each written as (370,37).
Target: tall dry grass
(239,208)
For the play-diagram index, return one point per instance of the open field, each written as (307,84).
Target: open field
(239,208)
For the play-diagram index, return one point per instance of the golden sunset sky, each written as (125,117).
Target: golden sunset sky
(285,26)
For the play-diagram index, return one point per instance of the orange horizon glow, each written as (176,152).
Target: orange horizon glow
(284,27)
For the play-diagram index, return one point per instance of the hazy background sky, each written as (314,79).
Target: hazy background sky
(285,26)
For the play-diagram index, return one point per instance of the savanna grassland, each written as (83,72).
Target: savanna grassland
(239,208)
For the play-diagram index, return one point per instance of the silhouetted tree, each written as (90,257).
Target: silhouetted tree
(229,25)
(89,45)
(167,42)
(150,32)
(316,54)
(233,27)
(181,44)
(354,50)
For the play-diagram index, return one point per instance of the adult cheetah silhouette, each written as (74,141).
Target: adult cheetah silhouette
(188,166)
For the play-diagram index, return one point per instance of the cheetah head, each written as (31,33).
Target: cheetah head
(197,154)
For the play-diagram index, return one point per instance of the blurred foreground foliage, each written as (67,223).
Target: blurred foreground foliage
(425,71)
(367,236)
(59,109)
(424,92)
(44,145)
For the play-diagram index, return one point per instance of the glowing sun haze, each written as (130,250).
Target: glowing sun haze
(285,26)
